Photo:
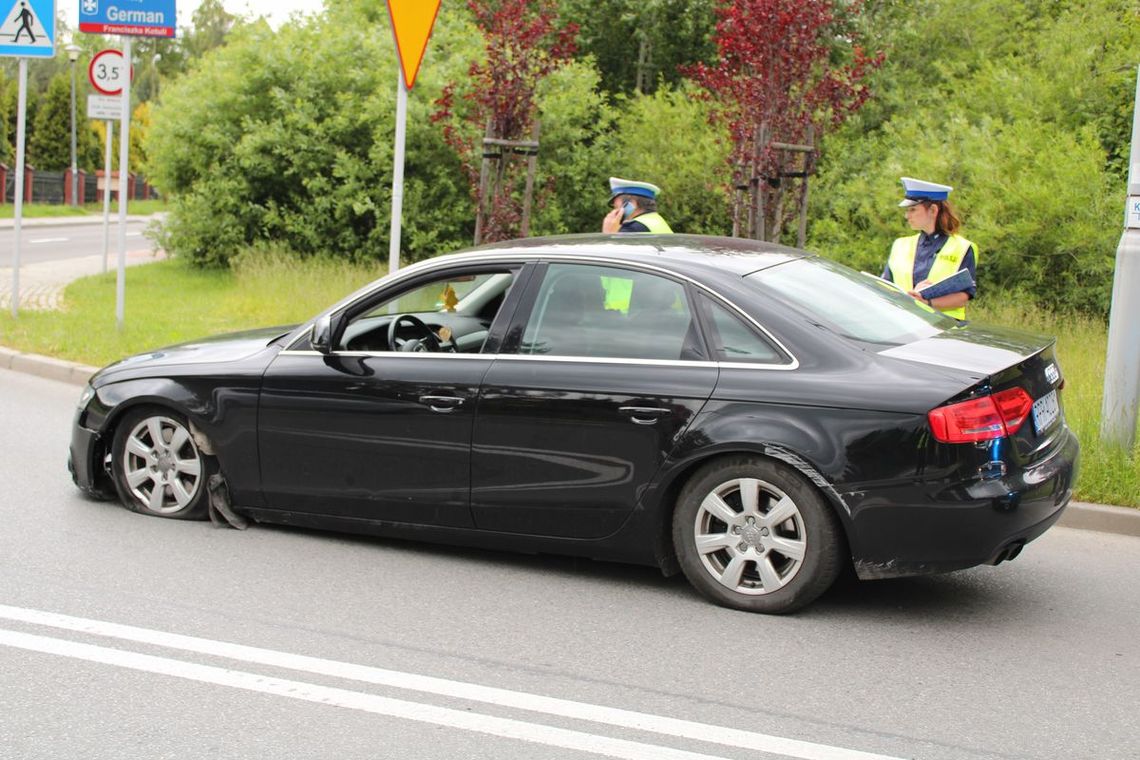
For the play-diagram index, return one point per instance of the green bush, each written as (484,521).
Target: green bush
(287,136)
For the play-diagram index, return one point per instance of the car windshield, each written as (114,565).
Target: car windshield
(853,304)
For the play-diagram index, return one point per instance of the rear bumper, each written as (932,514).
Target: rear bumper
(923,528)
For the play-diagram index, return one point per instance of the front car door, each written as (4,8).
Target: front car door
(379,427)
(599,375)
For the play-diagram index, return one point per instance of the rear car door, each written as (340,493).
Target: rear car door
(600,374)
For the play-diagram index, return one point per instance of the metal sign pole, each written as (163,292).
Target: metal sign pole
(124,166)
(107,192)
(21,138)
(1122,364)
(398,174)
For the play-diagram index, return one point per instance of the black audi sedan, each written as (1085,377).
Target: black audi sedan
(754,416)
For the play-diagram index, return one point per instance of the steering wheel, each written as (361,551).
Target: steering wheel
(425,340)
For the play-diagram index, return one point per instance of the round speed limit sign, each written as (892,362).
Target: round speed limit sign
(107,72)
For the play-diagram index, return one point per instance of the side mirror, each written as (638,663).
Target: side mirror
(322,335)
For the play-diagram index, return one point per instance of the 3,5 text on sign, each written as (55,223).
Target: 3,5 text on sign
(107,72)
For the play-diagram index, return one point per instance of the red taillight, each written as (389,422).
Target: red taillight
(1013,404)
(981,419)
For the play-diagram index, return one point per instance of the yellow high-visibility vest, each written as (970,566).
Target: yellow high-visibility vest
(654,221)
(946,262)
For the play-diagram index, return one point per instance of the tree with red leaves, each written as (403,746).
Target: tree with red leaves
(524,43)
(777,83)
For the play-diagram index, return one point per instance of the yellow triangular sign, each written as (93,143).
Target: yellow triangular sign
(412,21)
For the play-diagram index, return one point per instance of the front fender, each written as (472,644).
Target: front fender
(225,414)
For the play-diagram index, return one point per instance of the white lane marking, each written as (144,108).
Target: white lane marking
(134,234)
(565,708)
(49,240)
(354,700)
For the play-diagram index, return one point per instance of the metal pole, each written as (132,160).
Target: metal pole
(74,160)
(124,167)
(398,174)
(107,192)
(21,139)
(1122,364)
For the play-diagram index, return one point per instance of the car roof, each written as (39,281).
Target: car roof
(686,254)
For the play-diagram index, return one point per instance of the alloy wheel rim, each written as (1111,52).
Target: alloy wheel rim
(750,536)
(162,468)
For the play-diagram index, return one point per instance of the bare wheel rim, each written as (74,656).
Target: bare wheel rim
(162,466)
(750,536)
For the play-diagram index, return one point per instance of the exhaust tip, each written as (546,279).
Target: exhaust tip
(1009,551)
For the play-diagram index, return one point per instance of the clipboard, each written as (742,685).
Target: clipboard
(955,283)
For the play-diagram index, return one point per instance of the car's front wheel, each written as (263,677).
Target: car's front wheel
(752,534)
(158,467)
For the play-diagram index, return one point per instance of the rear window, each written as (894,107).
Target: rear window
(853,304)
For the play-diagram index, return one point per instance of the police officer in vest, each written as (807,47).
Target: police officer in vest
(936,252)
(634,208)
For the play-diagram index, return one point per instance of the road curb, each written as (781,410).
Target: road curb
(1124,521)
(46,366)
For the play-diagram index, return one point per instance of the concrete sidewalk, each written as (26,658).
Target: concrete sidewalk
(42,284)
(1123,521)
(69,221)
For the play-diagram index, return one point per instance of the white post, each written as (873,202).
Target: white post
(107,192)
(21,138)
(1122,364)
(398,174)
(124,166)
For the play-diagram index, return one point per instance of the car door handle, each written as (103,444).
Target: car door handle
(644,415)
(442,403)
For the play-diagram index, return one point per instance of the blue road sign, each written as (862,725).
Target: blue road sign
(135,18)
(28,28)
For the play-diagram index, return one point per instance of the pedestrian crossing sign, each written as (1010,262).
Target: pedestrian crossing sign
(28,28)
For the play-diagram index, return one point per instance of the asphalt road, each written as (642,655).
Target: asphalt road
(40,244)
(369,648)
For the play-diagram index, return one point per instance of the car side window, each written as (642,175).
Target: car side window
(606,312)
(736,341)
(457,308)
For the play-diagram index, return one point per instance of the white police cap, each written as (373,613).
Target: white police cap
(619,186)
(918,190)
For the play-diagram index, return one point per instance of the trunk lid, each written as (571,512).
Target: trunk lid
(1000,359)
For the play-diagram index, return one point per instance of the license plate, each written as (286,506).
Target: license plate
(1046,410)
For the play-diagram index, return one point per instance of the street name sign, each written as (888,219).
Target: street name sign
(105,107)
(107,72)
(132,18)
(28,28)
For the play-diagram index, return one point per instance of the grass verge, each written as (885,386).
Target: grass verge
(169,302)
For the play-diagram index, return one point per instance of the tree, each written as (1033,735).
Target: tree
(785,69)
(524,43)
(6,101)
(638,45)
(210,25)
(49,147)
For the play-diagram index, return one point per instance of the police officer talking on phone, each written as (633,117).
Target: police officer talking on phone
(634,208)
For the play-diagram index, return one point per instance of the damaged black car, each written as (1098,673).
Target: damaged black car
(754,416)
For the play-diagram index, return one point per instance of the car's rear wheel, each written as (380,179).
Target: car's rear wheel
(158,467)
(753,534)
